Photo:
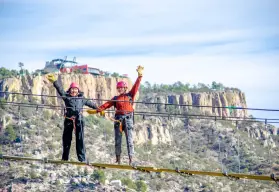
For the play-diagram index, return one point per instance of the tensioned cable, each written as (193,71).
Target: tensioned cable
(151,103)
(156,114)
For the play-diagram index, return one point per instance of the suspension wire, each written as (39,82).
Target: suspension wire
(20,131)
(146,113)
(269,150)
(187,127)
(219,146)
(190,146)
(173,144)
(105,138)
(143,112)
(148,140)
(238,152)
(38,126)
(150,103)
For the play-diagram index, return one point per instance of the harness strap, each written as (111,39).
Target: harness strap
(73,118)
(120,122)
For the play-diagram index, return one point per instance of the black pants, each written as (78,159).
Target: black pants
(67,139)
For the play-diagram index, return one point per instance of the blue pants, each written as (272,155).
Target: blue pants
(127,128)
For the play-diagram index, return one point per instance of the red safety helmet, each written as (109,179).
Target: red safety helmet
(74,85)
(122,84)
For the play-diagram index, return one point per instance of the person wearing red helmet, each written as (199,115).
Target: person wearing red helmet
(124,114)
(74,102)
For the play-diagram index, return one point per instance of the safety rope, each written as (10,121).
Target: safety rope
(149,103)
(156,114)
(118,121)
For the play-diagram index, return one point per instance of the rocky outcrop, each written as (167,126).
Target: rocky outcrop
(4,120)
(153,130)
(214,100)
(262,133)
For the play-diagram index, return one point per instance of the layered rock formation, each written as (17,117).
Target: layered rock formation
(93,87)
(205,100)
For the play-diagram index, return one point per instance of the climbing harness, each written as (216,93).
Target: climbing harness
(118,121)
(130,101)
(73,118)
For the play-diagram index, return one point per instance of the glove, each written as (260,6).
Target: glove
(102,113)
(94,111)
(51,78)
(140,70)
(91,111)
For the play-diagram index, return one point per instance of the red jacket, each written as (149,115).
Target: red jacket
(123,107)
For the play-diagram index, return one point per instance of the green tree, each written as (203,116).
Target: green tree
(99,175)
(141,186)
(5,73)
(115,74)
(20,64)
(129,183)
(203,87)
(217,86)
(147,85)
(86,171)
(10,133)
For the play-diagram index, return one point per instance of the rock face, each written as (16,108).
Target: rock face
(105,88)
(263,133)
(214,99)
(153,130)
(93,87)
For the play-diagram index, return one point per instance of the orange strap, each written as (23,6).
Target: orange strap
(120,122)
(73,118)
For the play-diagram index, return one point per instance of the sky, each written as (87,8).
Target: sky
(232,42)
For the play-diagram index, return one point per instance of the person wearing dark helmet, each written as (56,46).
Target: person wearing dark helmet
(123,114)
(74,102)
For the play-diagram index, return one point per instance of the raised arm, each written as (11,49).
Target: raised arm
(58,87)
(136,86)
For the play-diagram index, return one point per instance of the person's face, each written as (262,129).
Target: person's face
(121,90)
(74,92)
